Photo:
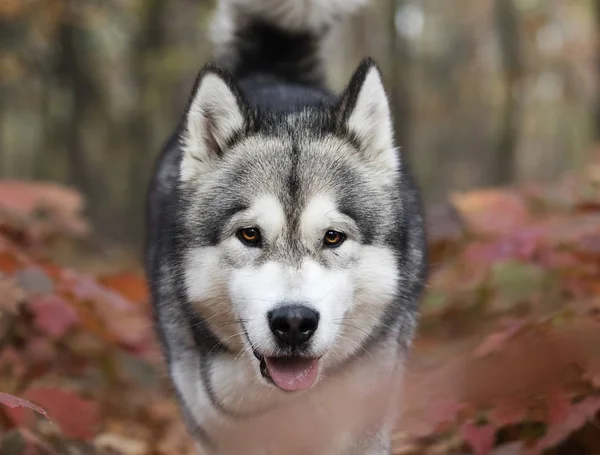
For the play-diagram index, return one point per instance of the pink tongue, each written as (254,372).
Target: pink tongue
(290,375)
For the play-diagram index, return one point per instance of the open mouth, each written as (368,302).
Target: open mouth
(289,373)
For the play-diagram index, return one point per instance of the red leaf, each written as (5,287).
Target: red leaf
(559,406)
(15,402)
(39,350)
(126,323)
(53,315)
(579,414)
(130,285)
(492,212)
(76,417)
(496,341)
(445,412)
(508,412)
(9,262)
(480,438)
(25,198)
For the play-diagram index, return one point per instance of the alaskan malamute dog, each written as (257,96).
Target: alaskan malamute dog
(286,248)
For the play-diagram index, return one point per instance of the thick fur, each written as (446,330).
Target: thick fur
(264,144)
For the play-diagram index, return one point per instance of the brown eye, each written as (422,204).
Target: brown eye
(250,236)
(333,238)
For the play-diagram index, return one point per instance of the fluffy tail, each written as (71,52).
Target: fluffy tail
(276,38)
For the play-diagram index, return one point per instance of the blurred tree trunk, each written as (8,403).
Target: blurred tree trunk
(76,80)
(148,44)
(597,113)
(400,82)
(391,51)
(507,27)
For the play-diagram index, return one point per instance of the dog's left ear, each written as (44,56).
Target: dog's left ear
(364,112)
(216,113)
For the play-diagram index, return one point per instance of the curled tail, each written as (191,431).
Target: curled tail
(276,38)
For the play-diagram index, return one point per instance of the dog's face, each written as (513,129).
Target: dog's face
(293,225)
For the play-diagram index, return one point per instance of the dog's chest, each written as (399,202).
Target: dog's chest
(331,420)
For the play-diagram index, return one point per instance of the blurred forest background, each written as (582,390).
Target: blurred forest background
(497,107)
(485,92)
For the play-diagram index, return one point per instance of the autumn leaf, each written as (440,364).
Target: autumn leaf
(445,412)
(515,281)
(496,341)
(578,415)
(27,197)
(15,402)
(492,212)
(10,260)
(559,406)
(53,315)
(31,213)
(107,312)
(479,437)
(509,411)
(39,350)
(11,295)
(130,285)
(76,417)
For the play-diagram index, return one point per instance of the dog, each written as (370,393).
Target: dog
(285,247)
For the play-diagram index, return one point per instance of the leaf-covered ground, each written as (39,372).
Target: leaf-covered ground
(507,360)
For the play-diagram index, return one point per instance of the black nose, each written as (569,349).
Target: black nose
(293,325)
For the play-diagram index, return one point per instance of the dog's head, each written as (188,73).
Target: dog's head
(299,247)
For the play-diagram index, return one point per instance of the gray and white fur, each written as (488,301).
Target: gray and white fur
(266,152)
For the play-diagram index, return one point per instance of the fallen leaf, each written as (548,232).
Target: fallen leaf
(9,262)
(515,281)
(11,295)
(27,198)
(496,341)
(480,438)
(445,411)
(513,448)
(492,212)
(53,315)
(579,414)
(508,412)
(39,350)
(130,285)
(76,417)
(15,402)
(559,406)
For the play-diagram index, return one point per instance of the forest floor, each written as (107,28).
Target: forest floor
(507,359)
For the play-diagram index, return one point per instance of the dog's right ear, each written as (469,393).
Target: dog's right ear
(216,114)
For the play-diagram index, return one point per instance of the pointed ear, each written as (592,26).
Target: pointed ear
(216,113)
(364,112)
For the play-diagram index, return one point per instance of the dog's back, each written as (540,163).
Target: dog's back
(285,246)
